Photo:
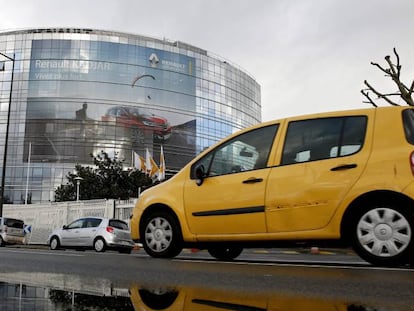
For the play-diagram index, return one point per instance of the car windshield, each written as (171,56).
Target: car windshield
(133,111)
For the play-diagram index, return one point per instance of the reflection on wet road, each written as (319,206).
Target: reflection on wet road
(70,280)
(44,291)
(63,292)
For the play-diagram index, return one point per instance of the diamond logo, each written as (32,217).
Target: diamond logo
(154,60)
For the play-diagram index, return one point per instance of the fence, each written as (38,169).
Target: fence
(44,218)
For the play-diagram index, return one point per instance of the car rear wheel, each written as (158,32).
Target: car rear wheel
(225,253)
(99,245)
(1,242)
(54,243)
(161,235)
(383,235)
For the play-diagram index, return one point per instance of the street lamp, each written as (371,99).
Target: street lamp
(6,139)
(78,180)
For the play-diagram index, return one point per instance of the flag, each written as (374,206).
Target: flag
(150,165)
(154,168)
(161,174)
(139,162)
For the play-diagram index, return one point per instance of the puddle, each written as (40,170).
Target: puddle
(35,291)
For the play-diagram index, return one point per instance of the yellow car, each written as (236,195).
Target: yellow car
(187,298)
(335,179)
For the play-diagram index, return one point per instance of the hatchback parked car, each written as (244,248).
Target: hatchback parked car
(11,231)
(95,233)
(331,179)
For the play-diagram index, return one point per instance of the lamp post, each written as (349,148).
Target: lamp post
(6,139)
(78,180)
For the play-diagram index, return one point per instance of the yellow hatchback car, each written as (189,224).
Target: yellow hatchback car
(333,179)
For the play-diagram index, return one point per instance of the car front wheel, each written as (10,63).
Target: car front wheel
(54,243)
(383,235)
(225,253)
(161,235)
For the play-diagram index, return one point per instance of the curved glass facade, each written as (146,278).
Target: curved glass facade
(76,92)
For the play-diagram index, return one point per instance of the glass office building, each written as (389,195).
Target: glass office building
(76,92)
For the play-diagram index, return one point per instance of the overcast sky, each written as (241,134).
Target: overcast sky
(307,55)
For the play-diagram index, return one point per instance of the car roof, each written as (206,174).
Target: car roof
(98,217)
(337,113)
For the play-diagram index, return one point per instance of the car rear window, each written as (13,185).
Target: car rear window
(324,138)
(408,120)
(14,223)
(119,224)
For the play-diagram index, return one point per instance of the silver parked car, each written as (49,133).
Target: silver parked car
(93,232)
(11,231)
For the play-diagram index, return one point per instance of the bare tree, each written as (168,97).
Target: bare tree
(394,72)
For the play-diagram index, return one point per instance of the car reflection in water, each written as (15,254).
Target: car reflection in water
(65,292)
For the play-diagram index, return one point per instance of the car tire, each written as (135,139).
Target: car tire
(161,235)
(225,253)
(158,299)
(99,245)
(54,243)
(383,234)
(2,242)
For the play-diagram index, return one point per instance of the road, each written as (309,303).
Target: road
(338,279)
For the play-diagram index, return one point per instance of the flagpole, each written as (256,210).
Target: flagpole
(28,169)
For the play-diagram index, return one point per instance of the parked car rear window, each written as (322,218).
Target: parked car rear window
(14,223)
(119,224)
(408,120)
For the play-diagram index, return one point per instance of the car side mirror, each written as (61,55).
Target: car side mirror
(65,227)
(200,174)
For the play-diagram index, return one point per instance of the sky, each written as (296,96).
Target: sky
(307,55)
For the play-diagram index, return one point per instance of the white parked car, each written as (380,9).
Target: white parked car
(95,233)
(11,231)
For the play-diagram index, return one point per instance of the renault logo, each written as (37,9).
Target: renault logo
(153,59)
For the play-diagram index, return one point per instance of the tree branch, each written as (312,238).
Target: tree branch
(386,71)
(370,101)
(382,96)
(394,71)
(398,62)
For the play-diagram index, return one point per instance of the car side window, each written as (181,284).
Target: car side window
(245,152)
(91,222)
(318,139)
(76,224)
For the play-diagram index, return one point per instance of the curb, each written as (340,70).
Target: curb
(262,251)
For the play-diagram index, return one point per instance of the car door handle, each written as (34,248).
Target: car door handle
(344,167)
(252,180)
